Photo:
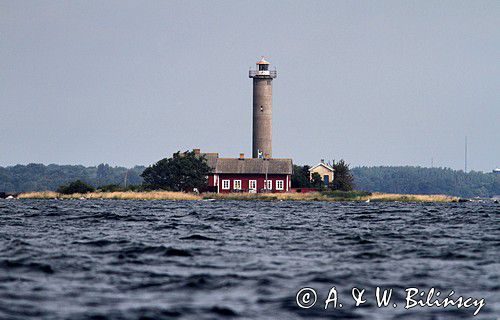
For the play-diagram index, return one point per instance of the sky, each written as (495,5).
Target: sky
(130,82)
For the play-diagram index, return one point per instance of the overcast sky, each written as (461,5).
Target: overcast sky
(130,82)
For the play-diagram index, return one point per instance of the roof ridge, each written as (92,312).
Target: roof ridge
(324,165)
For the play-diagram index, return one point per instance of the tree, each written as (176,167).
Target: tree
(418,180)
(300,177)
(183,172)
(77,186)
(103,172)
(316,181)
(342,179)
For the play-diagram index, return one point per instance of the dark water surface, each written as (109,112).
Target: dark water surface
(245,260)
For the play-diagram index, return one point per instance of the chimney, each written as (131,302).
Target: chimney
(242,156)
(322,160)
(196,152)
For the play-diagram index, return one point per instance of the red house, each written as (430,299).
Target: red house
(252,175)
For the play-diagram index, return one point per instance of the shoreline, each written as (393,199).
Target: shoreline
(168,195)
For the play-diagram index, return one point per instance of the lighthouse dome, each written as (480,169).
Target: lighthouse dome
(263,61)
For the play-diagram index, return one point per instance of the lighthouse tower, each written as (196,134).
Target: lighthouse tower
(262,134)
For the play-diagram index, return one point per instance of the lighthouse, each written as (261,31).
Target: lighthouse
(262,135)
(262,172)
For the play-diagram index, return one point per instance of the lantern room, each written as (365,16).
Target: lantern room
(262,70)
(262,65)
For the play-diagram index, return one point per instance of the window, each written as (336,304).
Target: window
(269,184)
(237,184)
(225,184)
(279,184)
(252,184)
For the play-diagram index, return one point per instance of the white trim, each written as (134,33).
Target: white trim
(234,184)
(218,184)
(278,183)
(250,184)
(228,184)
(287,186)
(268,184)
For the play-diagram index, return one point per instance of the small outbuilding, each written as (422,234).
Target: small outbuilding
(325,171)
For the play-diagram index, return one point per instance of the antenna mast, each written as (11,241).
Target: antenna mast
(126,179)
(465,156)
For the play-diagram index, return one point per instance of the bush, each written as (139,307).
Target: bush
(77,186)
(136,188)
(346,194)
(118,188)
(109,188)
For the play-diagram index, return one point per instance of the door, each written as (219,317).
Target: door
(326,179)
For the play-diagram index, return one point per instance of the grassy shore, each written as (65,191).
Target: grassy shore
(313,196)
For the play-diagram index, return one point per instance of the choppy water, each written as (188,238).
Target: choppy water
(243,260)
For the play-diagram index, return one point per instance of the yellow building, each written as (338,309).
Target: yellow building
(325,171)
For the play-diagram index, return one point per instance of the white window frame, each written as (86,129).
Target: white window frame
(280,185)
(252,182)
(226,184)
(237,184)
(268,184)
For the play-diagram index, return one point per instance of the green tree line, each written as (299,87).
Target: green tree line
(412,180)
(418,180)
(39,177)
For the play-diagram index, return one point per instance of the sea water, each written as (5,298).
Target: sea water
(107,259)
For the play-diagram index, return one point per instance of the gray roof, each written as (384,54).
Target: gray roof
(253,166)
(211,158)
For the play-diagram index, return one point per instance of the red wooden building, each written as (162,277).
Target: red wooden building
(252,175)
